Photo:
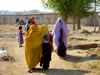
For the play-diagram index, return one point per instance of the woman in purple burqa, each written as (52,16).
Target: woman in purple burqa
(20,36)
(60,33)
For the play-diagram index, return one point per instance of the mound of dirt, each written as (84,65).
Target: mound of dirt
(21,22)
(7,58)
(94,52)
(84,46)
(79,39)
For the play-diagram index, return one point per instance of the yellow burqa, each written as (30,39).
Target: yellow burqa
(33,44)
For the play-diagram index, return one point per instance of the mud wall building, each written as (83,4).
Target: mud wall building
(44,18)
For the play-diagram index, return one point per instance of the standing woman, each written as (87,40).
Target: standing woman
(60,33)
(33,45)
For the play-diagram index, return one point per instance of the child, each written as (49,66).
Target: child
(46,51)
(20,36)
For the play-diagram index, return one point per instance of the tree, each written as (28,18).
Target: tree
(19,13)
(80,9)
(62,7)
(96,4)
(69,8)
(34,11)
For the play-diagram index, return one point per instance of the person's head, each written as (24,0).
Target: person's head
(32,18)
(60,20)
(47,37)
(20,27)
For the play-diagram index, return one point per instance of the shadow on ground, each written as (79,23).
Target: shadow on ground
(62,72)
(78,59)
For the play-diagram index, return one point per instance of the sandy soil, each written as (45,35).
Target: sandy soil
(83,54)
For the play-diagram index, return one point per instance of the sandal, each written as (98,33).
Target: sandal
(30,71)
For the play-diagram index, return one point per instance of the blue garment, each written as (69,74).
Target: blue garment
(48,35)
(46,41)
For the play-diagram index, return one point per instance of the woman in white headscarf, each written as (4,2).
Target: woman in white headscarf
(60,33)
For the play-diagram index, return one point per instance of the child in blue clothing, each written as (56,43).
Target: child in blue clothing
(46,52)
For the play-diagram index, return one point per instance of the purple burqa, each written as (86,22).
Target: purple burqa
(56,33)
(20,37)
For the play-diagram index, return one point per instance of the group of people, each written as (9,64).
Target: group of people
(20,34)
(39,43)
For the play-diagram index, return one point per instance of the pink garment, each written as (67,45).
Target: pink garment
(56,33)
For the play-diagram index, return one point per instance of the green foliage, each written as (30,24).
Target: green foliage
(69,8)
(82,8)
(19,13)
(34,11)
(96,4)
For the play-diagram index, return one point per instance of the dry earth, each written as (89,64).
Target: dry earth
(83,54)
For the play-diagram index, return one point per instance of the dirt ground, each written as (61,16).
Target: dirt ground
(83,54)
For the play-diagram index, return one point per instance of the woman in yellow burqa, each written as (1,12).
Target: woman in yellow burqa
(33,45)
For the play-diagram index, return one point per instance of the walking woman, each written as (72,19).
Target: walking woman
(33,45)
(60,33)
